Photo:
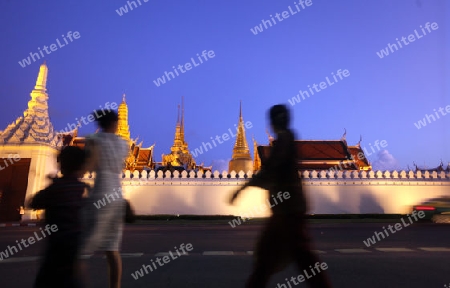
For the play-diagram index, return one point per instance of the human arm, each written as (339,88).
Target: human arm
(278,158)
(92,156)
(237,192)
(42,199)
(266,177)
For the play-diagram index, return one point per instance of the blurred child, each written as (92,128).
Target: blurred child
(62,201)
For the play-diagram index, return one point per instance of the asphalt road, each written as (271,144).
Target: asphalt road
(221,256)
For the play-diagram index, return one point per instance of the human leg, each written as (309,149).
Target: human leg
(49,274)
(114,268)
(112,244)
(303,252)
(268,253)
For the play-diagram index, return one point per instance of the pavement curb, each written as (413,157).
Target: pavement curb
(26,224)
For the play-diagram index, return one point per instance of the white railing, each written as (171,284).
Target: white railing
(307,174)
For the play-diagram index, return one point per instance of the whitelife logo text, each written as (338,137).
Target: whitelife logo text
(35,56)
(187,66)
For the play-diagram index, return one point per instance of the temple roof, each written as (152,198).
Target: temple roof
(34,127)
(325,154)
(141,157)
(360,161)
(323,149)
(437,169)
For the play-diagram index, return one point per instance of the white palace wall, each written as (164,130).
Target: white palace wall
(343,192)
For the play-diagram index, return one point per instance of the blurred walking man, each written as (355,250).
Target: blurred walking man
(285,237)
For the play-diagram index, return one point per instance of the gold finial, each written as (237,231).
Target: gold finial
(360,140)
(240,110)
(41,81)
(182,119)
(343,138)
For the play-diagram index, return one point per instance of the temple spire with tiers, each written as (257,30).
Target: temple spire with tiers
(180,154)
(34,127)
(123,129)
(241,159)
(257,159)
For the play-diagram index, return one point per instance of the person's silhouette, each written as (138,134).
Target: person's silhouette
(63,202)
(285,237)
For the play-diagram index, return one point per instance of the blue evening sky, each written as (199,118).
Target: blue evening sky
(381,99)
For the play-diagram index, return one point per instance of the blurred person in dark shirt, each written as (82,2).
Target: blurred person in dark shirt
(285,237)
(63,201)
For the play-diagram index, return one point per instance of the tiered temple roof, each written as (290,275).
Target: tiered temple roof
(34,127)
(361,162)
(180,158)
(138,158)
(179,155)
(326,154)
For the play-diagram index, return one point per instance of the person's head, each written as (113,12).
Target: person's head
(279,117)
(107,120)
(72,160)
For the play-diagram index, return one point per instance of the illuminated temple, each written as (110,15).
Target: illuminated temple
(33,137)
(179,158)
(138,158)
(35,127)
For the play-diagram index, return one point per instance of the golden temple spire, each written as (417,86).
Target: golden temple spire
(257,159)
(240,149)
(123,129)
(34,126)
(270,137)
(38,103)
(241,159)
(178,142)
(180,154)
